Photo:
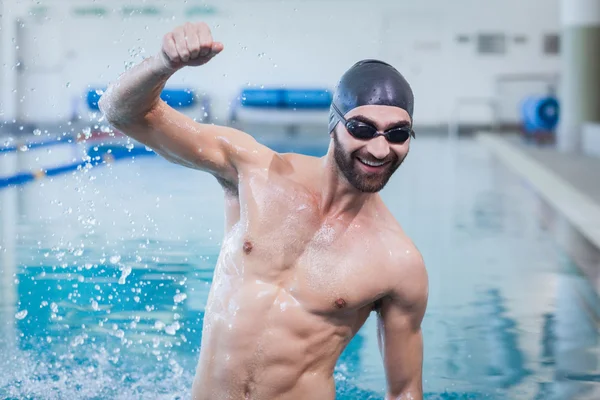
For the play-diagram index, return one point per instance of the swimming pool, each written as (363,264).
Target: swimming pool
(105,274)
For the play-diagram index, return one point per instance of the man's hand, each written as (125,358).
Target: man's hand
(189,45)
(399,328)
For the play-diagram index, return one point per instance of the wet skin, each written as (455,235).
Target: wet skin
(294,282)
(309,251)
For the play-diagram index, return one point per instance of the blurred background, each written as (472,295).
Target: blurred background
(107,251)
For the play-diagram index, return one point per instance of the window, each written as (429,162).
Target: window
(491,43)
(552,44)
(520,39)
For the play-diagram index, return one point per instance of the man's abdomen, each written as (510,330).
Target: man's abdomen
(259,343)
(272,382)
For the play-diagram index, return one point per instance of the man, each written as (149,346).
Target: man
(309,248)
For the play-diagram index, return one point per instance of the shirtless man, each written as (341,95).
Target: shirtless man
(310,249)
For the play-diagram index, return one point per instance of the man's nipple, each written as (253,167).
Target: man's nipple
(340,303)
(247,247)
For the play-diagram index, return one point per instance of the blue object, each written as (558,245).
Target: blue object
(286,98)
(98,156)
(309,98)
(540,113)
(48,142)
(8,149)
(263,98)
(93,97)
(116,152)
(176,98)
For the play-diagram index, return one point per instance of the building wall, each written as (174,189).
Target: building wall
(295,43)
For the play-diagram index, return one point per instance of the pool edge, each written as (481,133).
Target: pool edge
(579,209)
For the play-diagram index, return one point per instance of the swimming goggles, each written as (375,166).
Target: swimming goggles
(363,131)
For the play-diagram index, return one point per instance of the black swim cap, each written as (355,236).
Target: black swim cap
(371,82)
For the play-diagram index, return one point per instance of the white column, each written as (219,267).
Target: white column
(580,79)
(8,265)
(8,61)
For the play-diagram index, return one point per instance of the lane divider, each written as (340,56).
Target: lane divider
(98,156)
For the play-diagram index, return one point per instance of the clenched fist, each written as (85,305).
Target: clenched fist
(190,44)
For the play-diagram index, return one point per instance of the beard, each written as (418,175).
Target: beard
(361,180)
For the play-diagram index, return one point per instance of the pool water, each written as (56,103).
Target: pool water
(105,273)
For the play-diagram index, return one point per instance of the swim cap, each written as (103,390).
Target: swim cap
(371,82)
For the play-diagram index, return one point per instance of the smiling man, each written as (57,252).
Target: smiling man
(371,83)
(310,249)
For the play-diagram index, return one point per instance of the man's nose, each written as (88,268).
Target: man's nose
(379,147)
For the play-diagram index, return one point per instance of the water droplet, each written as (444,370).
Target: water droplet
(115,259)
(37,132)
(179,298)
(77,341)
(21,314)
(68,84)
(172,329)
(124,274)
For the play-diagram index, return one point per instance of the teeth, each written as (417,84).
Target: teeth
(371,163)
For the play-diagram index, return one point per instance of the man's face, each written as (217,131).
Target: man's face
(352,155)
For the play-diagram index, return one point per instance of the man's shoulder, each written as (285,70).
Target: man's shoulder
(401,246)
(406,270)
(301,162)
(289,165)
(406,259)
(292,162)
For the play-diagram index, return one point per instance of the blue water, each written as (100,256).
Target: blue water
(104,275)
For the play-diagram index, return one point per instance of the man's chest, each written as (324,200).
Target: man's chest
(327,265)
(322,279)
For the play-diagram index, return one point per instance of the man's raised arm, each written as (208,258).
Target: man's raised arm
(399,329)
(133,105)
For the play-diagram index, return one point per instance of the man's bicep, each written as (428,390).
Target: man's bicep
(400,319)
(212,148)
(402,350)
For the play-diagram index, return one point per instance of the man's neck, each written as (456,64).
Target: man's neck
(338,197)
